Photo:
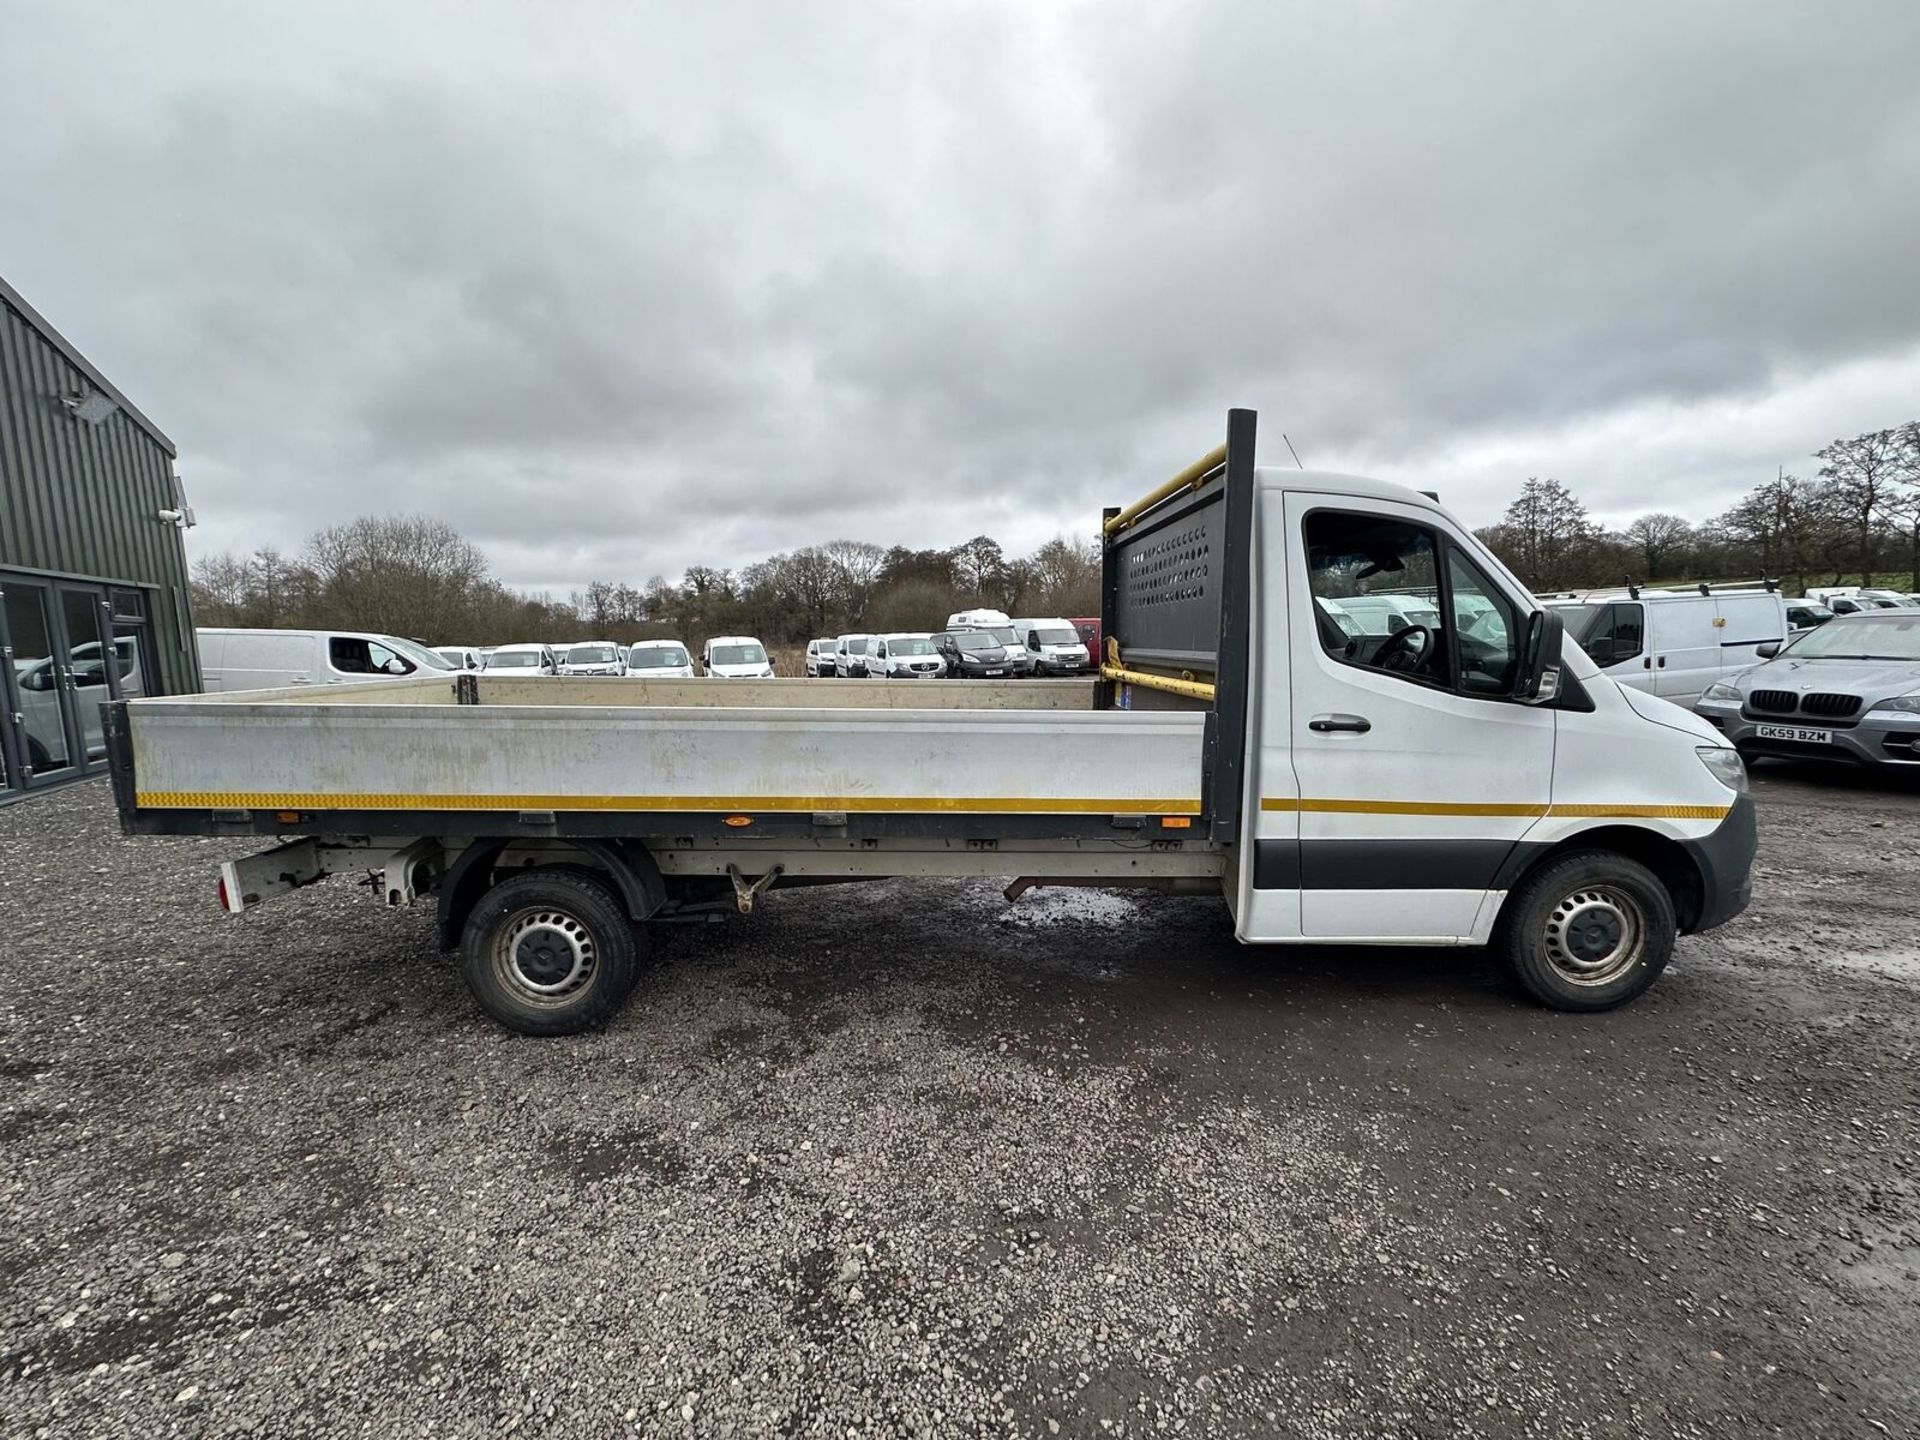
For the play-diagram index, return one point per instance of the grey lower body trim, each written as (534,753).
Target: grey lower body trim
(1390,864)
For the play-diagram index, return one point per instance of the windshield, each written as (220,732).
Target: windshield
(658,657)
(513,660)
(590,655)
(1005,634)
(975,640)
(1058,636)
(737,655)
(419,654)
(1876,639)
(909,645)
(852,642)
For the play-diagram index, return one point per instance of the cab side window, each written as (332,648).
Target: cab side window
(1486,628)
(1619,634)
(1391,596)
(350,656)
(1374,583)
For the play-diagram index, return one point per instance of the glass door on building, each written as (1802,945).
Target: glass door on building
(91,671)
(39,713)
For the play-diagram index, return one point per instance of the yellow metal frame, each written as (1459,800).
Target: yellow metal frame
(1192,689)
(1185,480)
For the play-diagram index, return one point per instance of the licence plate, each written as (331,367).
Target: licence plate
(996,672)
(1794,732)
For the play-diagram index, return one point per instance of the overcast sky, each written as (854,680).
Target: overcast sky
(618,288)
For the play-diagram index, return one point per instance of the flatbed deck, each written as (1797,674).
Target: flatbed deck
(466,755)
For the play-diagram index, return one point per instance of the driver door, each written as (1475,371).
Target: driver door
(1416,775)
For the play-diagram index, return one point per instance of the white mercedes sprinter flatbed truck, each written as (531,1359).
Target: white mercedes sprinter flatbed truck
(1464,783)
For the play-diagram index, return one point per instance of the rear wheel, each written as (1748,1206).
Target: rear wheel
(550,952)
(1588,931)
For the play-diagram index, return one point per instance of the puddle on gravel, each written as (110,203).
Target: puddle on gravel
(1064,905)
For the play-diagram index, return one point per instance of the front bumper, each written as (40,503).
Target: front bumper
(1866,742)
(1724,859)
(1063,667)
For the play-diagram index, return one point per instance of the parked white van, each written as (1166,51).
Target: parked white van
(531,658)
(735,657)
(1053,645)
(906,656)
(1673,643)
(236,659)
(659,660)
(594,657)
(1388,614)
(850,655)
(820,656)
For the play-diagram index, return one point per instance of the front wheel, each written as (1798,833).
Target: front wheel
(550,952)
(1588,931)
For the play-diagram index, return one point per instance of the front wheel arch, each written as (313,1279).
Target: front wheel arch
(1666,858)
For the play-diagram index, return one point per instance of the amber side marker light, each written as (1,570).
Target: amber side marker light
(737,820)
(1176,822)
(287,817)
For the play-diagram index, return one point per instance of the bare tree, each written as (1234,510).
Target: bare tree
(1866,476)
(860,564)
(1658,542)
(400,573)
(1902,509)
(980,565)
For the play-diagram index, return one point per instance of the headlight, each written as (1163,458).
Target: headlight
(1726,694)
(1905,704)
(1726,765)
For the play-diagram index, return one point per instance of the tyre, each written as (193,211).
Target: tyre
(1587,931)
(550,952)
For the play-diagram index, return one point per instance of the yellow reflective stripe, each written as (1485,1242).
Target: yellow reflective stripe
(912,804)
(1639,812)
(1286,804)
(1396,807)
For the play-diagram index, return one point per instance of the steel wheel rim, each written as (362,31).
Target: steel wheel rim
(1595,935)
(544,956)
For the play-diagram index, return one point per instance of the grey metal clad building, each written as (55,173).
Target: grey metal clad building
(93,564)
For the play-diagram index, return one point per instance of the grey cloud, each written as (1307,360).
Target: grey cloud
(622,288)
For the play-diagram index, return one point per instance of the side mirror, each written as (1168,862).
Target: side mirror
(1767,651)
(1536,680)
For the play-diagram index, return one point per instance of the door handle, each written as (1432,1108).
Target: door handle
(1326,724)
(1647,664)
(1663,662)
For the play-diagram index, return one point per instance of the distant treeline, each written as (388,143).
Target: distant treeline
(1858,516)
(412,575)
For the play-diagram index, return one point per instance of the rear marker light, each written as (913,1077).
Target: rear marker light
(1176,822)
(737,820)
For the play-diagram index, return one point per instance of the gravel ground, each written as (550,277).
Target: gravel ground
(893,1160)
